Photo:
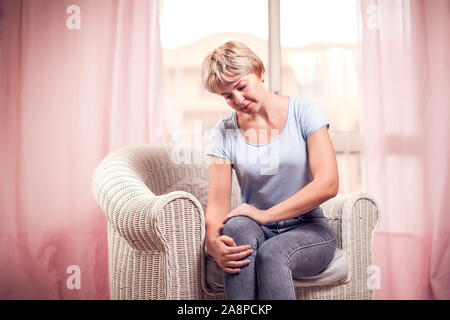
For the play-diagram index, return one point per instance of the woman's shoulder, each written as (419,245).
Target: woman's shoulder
(227,122)
(308,115)
(302,104)
(224,124)
(300,101)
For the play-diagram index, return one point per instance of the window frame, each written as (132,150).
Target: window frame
(345,142)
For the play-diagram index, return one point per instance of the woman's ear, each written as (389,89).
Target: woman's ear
(261,77)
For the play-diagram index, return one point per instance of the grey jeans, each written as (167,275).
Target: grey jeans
(297,247)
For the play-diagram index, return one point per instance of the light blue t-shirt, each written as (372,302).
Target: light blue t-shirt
(272,172)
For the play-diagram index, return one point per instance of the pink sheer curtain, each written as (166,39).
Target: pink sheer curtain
(406,144)
(78,79)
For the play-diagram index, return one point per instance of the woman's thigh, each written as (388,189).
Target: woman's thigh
(306,250)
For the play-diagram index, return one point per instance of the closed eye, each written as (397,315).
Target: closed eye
(240,89)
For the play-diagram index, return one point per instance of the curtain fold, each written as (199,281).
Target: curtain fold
(78,79)
(406,135)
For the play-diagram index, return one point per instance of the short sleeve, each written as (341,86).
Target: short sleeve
(217,144)
(310,118)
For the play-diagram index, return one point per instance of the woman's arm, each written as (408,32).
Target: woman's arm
(219,198)
(221,247)
(325,183)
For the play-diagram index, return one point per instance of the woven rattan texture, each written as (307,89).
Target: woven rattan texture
(155,209)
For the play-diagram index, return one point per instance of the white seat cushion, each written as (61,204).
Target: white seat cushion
(336,272)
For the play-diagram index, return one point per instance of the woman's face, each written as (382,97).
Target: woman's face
(245,94)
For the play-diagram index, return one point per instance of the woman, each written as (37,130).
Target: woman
(279,231)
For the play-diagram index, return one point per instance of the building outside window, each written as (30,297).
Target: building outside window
(320,60)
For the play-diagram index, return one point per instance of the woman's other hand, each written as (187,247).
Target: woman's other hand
(260,216)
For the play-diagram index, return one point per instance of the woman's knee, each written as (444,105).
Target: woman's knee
(312,260)
(242,226)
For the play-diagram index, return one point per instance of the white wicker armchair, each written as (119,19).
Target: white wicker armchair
(156,231)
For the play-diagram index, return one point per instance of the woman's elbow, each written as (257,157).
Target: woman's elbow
(333,187)
(330,188)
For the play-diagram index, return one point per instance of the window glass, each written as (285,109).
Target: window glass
(320,60)
(191,29)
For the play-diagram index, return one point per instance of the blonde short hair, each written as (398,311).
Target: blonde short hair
(228,63)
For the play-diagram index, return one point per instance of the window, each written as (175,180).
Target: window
(191,29)
(319,60)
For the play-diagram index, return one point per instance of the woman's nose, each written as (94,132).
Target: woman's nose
(238,99)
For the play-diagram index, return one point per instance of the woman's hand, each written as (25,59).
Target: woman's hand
(260,216)
(226,253)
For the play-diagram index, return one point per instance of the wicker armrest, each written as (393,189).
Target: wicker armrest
(180,217)
(355,216)
(127,202)
(155,241)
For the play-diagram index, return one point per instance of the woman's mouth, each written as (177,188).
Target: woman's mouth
(247,107)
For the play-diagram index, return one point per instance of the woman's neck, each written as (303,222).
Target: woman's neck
(272,108)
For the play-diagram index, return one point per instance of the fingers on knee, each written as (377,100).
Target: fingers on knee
(239,225)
